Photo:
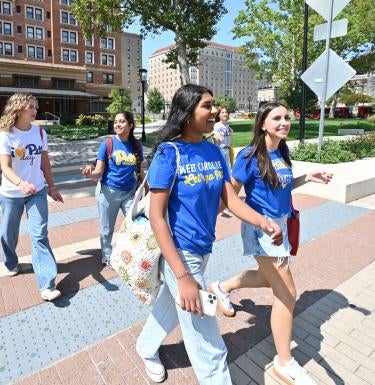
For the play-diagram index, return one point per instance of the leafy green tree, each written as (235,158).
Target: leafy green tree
(226,101)
(275,32)
(192,22)
(120,101)
(155,101)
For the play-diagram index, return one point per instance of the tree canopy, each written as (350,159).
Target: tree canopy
(155,101)
(121,101)
(192,22)
(226,101)
(275,32)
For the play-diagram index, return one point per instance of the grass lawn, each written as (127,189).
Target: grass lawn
(243,129)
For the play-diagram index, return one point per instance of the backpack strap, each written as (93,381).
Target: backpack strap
(109,146)
(138,152)
(41,133)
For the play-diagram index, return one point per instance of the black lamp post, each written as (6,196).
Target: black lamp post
(249,100)
(143,79)
(121,91)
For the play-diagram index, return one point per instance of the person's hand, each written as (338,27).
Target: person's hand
(55,195)
(319,177)
(27,188)
(218,136)
(273,230)
(188,289)
(87,172)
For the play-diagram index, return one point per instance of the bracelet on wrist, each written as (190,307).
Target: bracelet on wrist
(19,182)
(182,275)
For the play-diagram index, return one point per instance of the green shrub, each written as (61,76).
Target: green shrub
(336,151)
(90,120)
(371,119)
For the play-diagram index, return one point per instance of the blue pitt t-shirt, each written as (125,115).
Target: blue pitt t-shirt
(119,173)
(195,197)
(260,196)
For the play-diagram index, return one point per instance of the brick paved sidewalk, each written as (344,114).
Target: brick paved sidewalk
(334,328)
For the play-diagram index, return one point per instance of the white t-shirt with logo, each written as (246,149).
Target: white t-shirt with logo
(25,149)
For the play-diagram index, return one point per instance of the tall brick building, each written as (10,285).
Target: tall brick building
(43,51)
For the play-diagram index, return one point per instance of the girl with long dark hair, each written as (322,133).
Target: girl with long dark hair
(186,241)
(119,172)
(265,170)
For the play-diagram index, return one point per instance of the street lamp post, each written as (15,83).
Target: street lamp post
(249,100)
(121,91)
(143,79)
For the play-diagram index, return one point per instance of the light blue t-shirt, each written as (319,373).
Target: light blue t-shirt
(195,197)
(260,196)
(119,173)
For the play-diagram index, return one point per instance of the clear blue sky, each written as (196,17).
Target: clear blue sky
(223,36)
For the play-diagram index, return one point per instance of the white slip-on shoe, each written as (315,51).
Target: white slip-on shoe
(13,272)
(50,294)
(154,369)
(292,373)
(224,299)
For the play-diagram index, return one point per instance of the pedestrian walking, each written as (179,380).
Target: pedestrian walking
(26,167)
(117,171)
(222,134)
(186,238)
(265,170)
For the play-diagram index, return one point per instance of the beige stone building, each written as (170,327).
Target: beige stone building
(42,51)
(221,68)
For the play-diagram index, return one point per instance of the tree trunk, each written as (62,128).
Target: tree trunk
(183,63)
(333,106)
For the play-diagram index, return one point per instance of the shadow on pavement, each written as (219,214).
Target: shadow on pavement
(241,341)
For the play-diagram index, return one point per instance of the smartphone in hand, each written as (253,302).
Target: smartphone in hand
(208,301)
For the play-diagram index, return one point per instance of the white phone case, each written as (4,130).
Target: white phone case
(208,301)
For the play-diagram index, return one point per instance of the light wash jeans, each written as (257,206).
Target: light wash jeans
(203,342)
(43,260)
(109,202)
(226,154)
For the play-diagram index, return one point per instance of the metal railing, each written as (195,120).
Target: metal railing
(46,114)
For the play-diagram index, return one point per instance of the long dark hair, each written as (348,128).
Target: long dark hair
(183,103)
(259,150)
(135,143)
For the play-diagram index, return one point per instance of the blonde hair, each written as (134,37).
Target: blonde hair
(15,104)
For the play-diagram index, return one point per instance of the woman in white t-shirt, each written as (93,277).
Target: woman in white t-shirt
(222,134)
(26,167)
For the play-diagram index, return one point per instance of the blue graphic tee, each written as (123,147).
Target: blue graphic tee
(119,173)
(195,197)
(260,196)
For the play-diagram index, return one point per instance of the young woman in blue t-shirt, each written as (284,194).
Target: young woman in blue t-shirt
(264,169)
(118,173)
(186,243)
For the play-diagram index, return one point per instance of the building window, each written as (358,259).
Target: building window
(26,81)
(90,77)
(108,43)
(6,48)
(89,59)
(34,13)
(5,8)
(35,52)
(108,60)
(66,2)
(89,42)
(69,37)
(5,28)
(68,18)
(108,78)
(20,49)
(34,33)
(70,55)
(63,84)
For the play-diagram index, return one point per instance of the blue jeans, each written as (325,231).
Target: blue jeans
(109,202)
(226,155)
(43,260)
(203,342)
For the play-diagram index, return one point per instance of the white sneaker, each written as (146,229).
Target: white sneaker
(13,272)
(292,373)
(154,369)
(50,294)
(224,299)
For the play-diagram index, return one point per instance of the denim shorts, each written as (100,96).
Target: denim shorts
(257,243)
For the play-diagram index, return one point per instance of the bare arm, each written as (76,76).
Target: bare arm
(188,288)
(315,176)
(6,167)
(244,212)
(47,171)
(94,172)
